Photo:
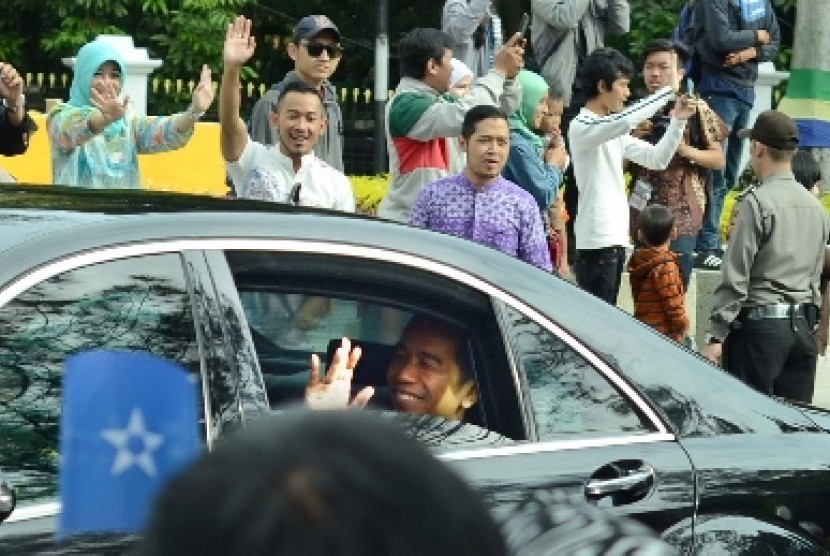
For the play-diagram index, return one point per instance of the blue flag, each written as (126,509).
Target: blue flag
(129,422)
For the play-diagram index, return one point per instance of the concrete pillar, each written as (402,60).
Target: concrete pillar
(138,67)
(768,78)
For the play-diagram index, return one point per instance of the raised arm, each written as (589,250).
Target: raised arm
(15,124)
(658,157)
(238,49)
(159,134)
(420,117)
(560,14)
(199,103)
(11,89)
(71,127)
(597,131)
(461,18)
(619,17)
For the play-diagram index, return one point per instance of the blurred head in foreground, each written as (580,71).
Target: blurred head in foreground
(321,483)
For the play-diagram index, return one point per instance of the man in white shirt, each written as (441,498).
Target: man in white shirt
(288,172)
(600,140)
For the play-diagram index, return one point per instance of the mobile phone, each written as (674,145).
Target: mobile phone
(524,24)
(690,86)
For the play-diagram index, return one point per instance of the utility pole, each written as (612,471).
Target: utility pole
(381,84)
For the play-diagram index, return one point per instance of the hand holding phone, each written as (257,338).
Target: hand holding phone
(524,24)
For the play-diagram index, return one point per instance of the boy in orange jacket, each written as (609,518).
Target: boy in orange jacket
(656,284)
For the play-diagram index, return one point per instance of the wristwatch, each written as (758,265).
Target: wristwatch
(21,103)
(192,114)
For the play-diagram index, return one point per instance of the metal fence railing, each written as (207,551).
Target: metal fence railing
(166,96)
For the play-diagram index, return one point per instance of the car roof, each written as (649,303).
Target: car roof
(39,224)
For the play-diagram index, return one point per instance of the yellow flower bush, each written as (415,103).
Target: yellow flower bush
(729,205)
(368,191)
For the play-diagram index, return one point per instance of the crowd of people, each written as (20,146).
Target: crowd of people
(532,163)
(528,153)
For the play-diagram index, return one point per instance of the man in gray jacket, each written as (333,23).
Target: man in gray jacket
(766,306)
(565,32)
(420,119)
(316,52)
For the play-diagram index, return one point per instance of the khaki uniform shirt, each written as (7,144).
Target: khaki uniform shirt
(775,253)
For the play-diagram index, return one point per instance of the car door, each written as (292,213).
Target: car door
(590,435)
(604,443)
(94,301)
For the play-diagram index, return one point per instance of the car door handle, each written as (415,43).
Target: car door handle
(598,488)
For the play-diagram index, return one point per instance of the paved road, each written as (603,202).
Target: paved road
(821,397)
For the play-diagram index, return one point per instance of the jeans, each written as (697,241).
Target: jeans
(684,246)
(735,114)
(599,271)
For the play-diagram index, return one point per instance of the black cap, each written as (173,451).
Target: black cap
(773,129)
(313,25)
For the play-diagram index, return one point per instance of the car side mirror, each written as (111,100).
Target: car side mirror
(8,499)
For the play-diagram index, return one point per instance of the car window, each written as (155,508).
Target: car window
(295,321)
(288,327)
(297,304)
(140,303)
(568,395)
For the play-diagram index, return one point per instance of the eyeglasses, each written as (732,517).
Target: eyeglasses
(314,49)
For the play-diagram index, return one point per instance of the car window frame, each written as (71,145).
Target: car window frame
(501,308)
(339,277)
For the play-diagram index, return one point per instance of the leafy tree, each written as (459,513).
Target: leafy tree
(187,33)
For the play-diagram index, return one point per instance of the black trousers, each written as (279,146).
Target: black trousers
(571,196)
(599,271)
(775,356)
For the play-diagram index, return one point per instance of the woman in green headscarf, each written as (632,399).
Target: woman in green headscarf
(94,137)
(532,165)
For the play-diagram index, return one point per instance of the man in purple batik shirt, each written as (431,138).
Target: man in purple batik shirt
(480,205)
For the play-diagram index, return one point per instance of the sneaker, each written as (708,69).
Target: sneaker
(690,343)
(708,260)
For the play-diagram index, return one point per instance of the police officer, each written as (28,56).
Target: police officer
(765,308)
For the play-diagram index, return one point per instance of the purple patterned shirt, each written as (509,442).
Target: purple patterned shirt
(500,215)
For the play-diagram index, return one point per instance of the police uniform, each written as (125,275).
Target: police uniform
(765,308)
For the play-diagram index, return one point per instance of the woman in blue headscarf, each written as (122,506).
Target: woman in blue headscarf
(532,165)
(95,139)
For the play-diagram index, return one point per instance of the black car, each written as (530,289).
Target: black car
(574,394)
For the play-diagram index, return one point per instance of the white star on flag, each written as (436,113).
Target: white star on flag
(120,440)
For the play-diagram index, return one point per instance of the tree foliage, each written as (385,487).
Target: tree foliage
(187,33)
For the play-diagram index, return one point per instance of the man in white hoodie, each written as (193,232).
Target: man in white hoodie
(600,139)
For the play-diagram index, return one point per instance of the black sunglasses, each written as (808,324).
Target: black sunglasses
(315,49)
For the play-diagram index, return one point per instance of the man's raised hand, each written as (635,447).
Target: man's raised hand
(239,43)
(510,57)
(334,390)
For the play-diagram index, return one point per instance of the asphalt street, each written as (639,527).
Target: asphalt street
(821,397)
